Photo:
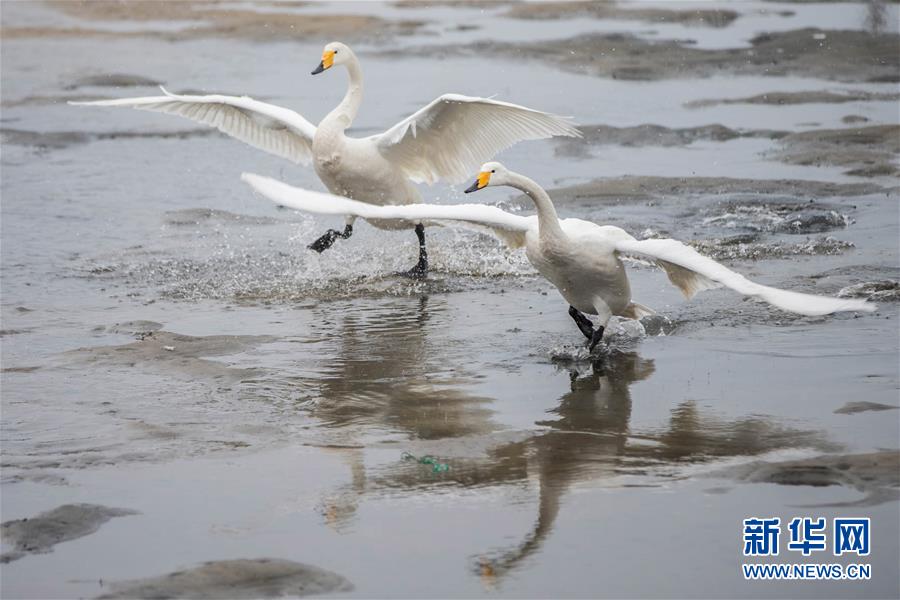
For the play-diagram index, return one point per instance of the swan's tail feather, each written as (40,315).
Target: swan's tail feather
(637,311)
(689,282)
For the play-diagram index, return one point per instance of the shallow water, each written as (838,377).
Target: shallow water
(170,347)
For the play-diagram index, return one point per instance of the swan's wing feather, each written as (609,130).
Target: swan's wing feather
(510,228)
(454,135)
(691,272)
(271,128)
(689,282)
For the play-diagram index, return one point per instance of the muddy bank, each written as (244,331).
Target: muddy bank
(639,188)
(237,579)
(6,332)
(212,19)
(870,151)
(738,216)
(878,283)
(47,99)
(452,3)
(753,219)
(877,474)
(612,10)
(654,135)
(196,216)
(777,217)
(808,97)
(852,56)
(58,140)
(884,290)
(852,408)
(175,352)
(40,534)
(142,10)
(113,80)
(101,80)
(738,248)
(137,329)
(19,369)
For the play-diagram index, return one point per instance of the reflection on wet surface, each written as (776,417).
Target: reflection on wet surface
(587,437)
(378,377)
(171,347)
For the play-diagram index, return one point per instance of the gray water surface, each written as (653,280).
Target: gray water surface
(170,346)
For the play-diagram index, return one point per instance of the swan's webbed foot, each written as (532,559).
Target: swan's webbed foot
(596,337)
(417,272)
(420,271)
(327,240)
(584,324)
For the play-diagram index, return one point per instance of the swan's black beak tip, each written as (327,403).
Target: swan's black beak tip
(472,188)
(319,69)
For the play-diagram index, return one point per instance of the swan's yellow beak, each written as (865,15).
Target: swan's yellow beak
(481,181)
(327,62)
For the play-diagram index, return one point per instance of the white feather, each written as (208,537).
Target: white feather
(510,228)
(276,130)
(450,137)
(446,139)
(693,272)
(588,274)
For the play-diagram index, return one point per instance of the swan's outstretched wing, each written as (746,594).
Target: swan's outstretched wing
(691,272)
(454,135)
(276,130)
(510,228)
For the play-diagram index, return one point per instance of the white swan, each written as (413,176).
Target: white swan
(447,139)
(582,259)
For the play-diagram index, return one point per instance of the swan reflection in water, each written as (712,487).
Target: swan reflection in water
(389,375)
(387,380)
(589,431)
(590,439)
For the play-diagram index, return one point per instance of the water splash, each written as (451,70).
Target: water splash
(622,335)
(779,218)
(884,290)
(231,257)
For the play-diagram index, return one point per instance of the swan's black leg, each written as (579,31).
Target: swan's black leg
(420,271)
(324,243)
(584,324)
(596,337)
(586,327)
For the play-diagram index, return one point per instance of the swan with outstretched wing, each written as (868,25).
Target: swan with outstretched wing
(445,140)
(582,259)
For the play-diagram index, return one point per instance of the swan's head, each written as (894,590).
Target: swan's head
(334,53)
(492,173)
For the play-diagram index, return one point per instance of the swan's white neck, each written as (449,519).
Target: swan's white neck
(548,221)
(343,114)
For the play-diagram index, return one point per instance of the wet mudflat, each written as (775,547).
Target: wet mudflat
(175,358)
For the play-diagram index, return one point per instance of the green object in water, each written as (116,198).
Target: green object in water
(436,467)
